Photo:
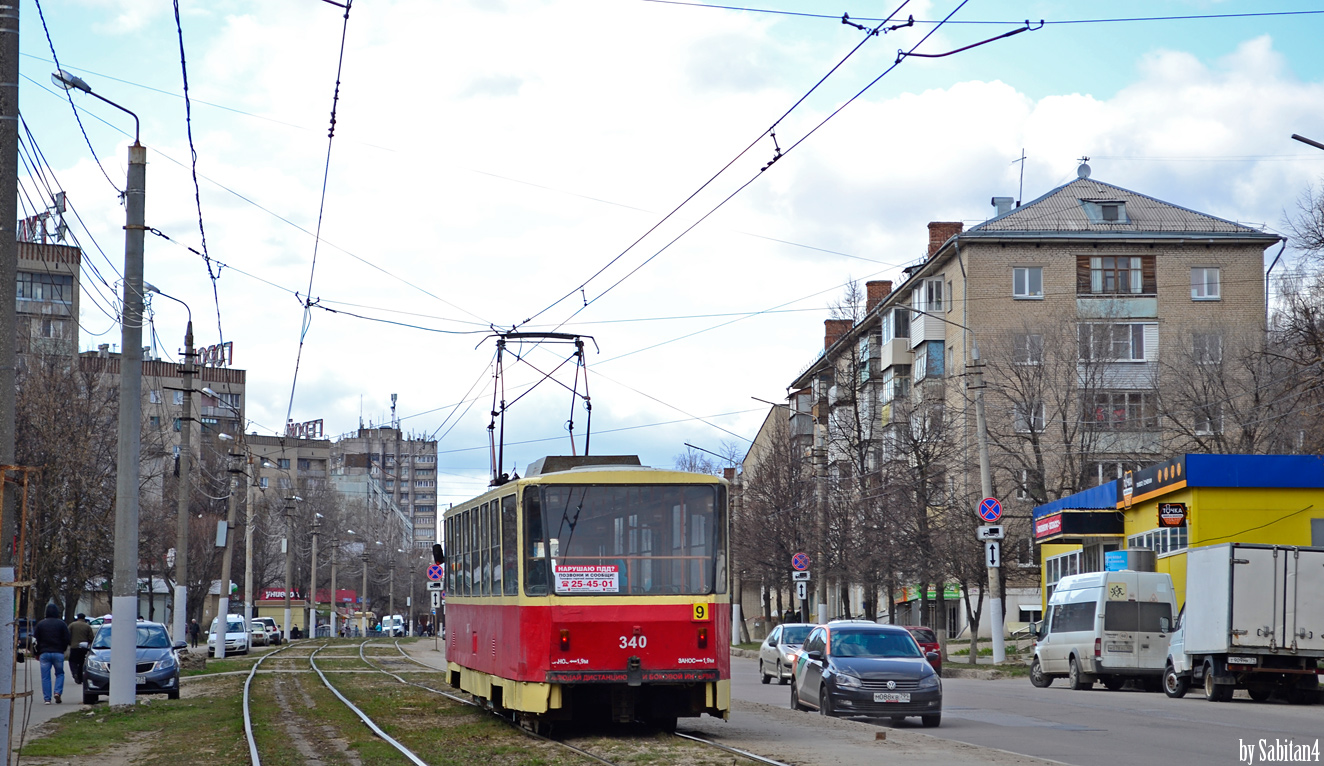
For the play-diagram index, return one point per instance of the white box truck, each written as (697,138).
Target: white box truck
(1253,620)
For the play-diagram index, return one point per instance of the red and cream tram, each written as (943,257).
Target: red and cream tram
(592,588)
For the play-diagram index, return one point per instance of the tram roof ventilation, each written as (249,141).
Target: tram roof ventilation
(558,463)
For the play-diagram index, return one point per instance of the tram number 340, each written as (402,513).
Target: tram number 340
(634,642)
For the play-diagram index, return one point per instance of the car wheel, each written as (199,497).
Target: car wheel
(781,678)
(174,695)
(89,698)
(763,674)
(1259,692)
(1174,685)
(931,721)
(1212,691)
(1075,678)
(795,699)
(1038,678)
(824,701)
(1113,683)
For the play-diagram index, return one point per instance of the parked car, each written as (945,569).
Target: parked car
(873,671)
(777,654)
(236,637)
(257,634)
(157,670)
(269,625)
(928,643)
(394,625)
(25,639)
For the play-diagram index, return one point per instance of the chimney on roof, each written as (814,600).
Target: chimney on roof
(103,350)
(833,329)
(1003,204)
(940,232)
(729,473)
(875,292)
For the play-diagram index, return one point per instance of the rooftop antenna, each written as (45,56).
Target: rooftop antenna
(394,423)
(1020,192)
(1084,170)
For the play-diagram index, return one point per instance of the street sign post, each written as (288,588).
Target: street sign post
(800,562)
(799,576)
(436,599)
(436,585)
(997,532)
(992,554)
(990,510)
(801,590)
(436,571)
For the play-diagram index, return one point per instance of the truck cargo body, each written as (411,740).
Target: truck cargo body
(1253,619)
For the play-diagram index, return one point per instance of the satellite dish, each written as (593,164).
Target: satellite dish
(1083,171)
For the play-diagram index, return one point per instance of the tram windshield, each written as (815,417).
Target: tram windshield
(624,539)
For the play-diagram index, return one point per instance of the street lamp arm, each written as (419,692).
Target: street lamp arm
(150,288)
(70,82)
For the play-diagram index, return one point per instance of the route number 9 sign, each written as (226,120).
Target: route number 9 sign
(703,612)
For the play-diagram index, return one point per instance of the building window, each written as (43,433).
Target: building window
(305,464)
(1112,342)
(154,396)
(282,482)
(949,296)
(47,288)
(1121,411)
(176,425)
(1027,282)
(425,509)
(154,421)
(928,297)
(262,482)
(895,324)
(896,382)
(1161,541)
(1115,275)
(1027,348)
(1209,419)
(1059,566)
(1207,348)
(179,397)
(1030,417)
(928,362)
(1023,488)
(1205,283)
(283,462)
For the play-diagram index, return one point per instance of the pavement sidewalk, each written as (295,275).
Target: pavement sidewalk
(30,712)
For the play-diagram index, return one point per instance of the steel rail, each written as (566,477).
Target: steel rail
(248,718)
(730,749)
(312,660)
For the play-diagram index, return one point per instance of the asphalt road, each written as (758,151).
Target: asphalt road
(1093,728)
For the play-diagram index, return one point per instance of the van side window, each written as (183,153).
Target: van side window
(1142,616)
(1073,617)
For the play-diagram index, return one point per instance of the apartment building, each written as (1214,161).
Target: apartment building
(1082,317)
(391,469)
(289,466)
(47,308)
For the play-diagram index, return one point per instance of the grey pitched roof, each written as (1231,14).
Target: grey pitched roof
(1062,211)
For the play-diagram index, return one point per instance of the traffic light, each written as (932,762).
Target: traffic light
(437,555)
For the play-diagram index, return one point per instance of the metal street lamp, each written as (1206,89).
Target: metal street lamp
(124,588)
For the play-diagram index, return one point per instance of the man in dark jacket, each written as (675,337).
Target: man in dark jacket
(52,637)
(80,632)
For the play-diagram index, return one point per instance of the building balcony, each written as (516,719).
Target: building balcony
(924,327)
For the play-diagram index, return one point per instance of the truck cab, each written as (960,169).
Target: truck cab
(1107,627)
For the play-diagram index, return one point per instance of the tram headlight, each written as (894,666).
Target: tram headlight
(565,639)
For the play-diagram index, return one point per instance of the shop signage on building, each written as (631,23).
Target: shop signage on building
(311,429)
(1172,514)
(219,355)
(1048,525)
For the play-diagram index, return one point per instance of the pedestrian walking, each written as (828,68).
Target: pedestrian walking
(52,637)
(80,638)
(193,630)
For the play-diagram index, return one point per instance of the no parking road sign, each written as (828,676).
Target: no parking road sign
(800,561)
(436,571)
(990,509)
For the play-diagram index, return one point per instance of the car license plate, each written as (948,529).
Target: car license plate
(1241,660)
(141,680)
(891,696)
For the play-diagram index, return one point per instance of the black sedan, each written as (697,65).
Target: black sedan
(157,670)
(861,670)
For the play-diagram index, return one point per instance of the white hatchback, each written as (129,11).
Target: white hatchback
(236,637)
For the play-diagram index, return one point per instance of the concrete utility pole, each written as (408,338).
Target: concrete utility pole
(312,580)
(124,588)
(185,468)
(223,604)
(363,611)
(986,486)
(8,342)
(289,561)
(335,556)
(390,600)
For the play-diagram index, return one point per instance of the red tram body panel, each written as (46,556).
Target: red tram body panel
(607,599)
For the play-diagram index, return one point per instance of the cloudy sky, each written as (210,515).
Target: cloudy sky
(501,163)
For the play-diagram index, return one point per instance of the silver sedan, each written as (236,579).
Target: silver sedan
(777,654)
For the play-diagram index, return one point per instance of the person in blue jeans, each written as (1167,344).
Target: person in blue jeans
(52,637)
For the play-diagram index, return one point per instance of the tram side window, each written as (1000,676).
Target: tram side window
(494,544)
(467,531)
(484,567)
(509,560)
(535,546)
(450,552)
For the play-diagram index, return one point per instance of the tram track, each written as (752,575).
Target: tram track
(377,664)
